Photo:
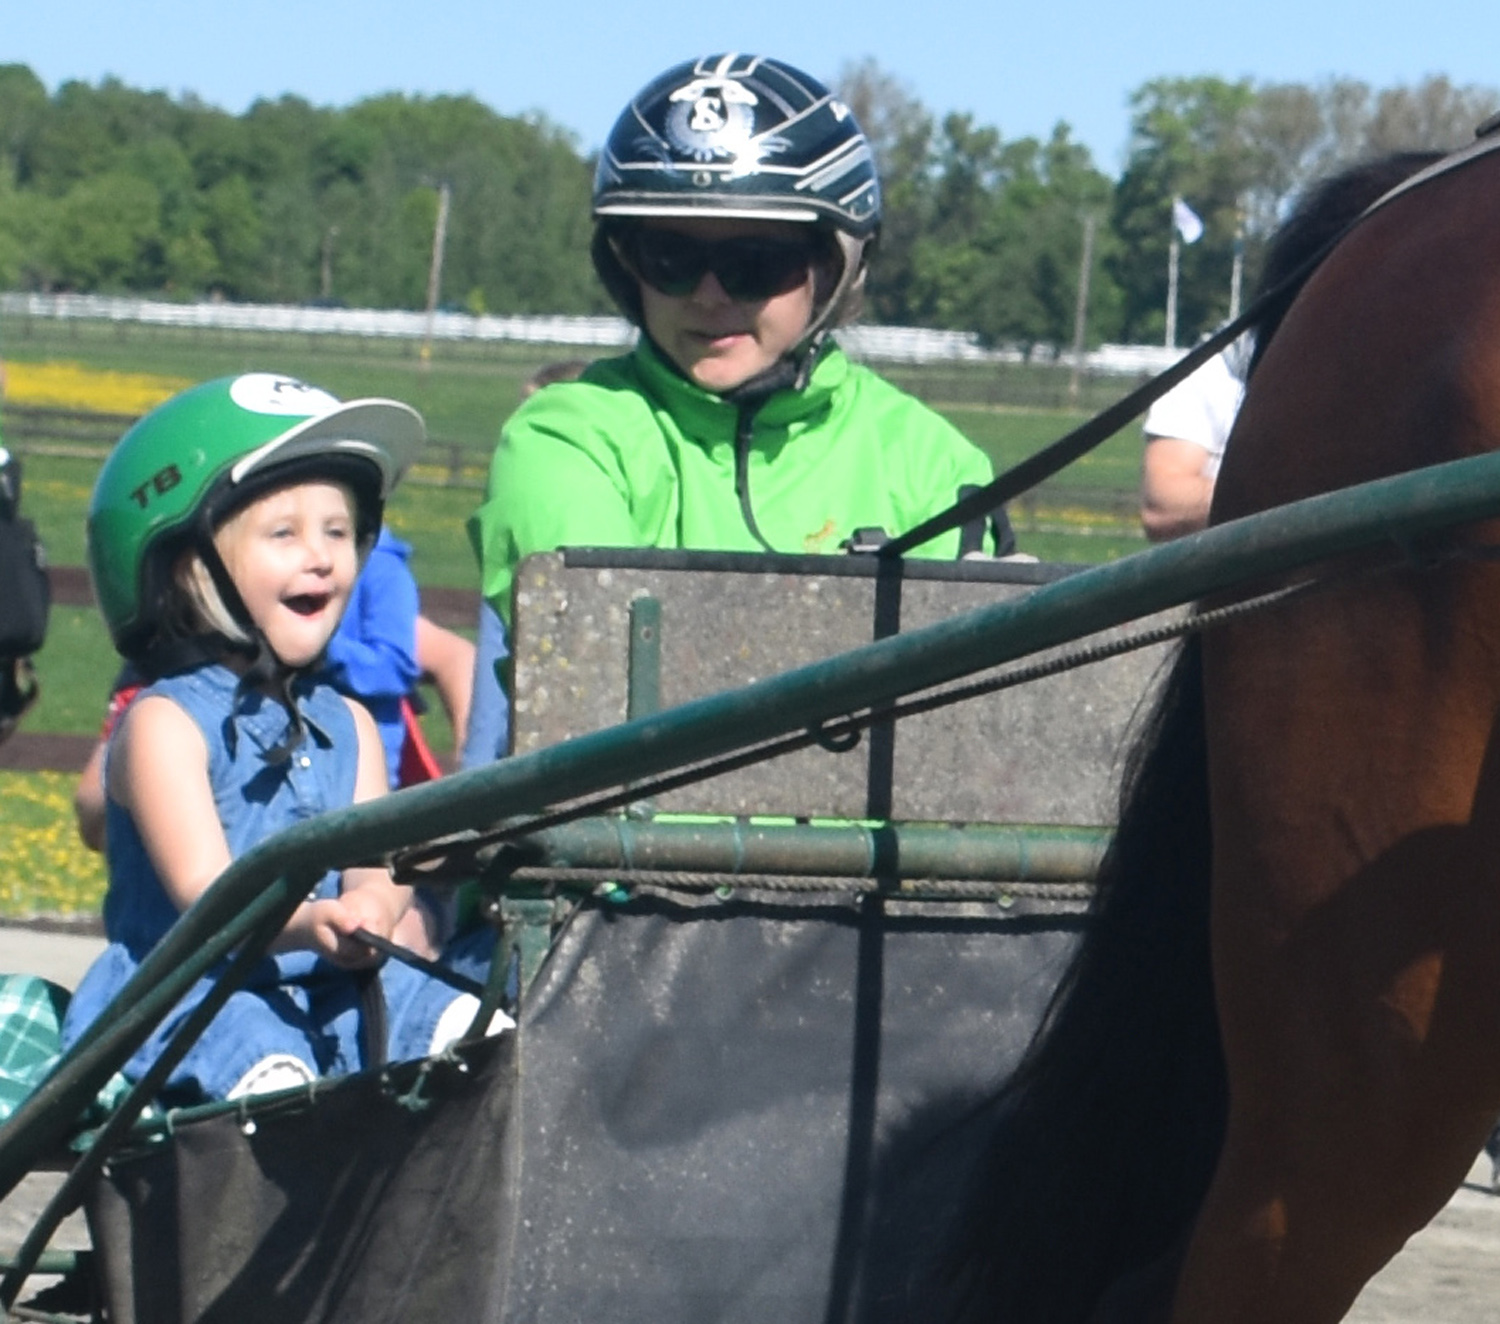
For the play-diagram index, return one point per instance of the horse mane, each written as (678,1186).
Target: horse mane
(1325,210)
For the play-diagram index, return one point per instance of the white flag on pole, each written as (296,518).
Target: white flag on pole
(1189,224)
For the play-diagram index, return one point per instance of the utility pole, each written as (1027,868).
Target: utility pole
(325,283)
(1081,308)
(435,273)
(1174,253)
(1237,270)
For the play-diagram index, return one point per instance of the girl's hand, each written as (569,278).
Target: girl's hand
(369,900)
(377,901)
(327,927)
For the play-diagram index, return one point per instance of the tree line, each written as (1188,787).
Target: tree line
(113,189)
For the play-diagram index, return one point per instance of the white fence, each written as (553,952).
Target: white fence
(891,344)
(363,322)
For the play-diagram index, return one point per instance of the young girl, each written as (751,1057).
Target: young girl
(225,534)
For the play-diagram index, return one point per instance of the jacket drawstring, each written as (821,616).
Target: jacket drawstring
(744,434)
(748,399)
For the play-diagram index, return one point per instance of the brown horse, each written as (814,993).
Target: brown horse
(1278,1051)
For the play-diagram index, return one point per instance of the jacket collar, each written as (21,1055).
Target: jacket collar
(704,415)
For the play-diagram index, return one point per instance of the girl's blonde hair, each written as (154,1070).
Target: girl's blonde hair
(197,607)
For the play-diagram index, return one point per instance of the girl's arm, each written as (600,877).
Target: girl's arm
(158,771)
(448,658)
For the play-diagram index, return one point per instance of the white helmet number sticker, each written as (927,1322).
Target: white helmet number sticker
(271,393)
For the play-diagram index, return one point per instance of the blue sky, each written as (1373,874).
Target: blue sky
(1018,67)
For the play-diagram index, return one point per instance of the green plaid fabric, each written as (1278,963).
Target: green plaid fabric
(31,1016)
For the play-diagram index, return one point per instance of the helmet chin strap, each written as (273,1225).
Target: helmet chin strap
(788,372)
(266,671)
(853,266)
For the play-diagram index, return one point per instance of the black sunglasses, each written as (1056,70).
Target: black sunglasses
(749,267)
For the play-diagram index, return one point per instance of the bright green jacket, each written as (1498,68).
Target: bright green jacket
(635,455)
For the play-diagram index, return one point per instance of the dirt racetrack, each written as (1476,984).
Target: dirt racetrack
(1449,1272)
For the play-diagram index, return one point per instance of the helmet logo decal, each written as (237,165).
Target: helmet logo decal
(159,484)
(712,119)
(271,393)
(707,115)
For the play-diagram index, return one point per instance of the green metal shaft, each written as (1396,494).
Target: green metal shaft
(193,946)
(983,853)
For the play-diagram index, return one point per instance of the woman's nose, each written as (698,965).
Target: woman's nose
(708,291)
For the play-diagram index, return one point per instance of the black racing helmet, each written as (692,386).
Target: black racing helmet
(739,136)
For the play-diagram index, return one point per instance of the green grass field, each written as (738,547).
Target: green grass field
(1085,514)
(466,390)
(44,868)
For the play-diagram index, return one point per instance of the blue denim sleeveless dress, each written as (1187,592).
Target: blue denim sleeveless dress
(294,1002)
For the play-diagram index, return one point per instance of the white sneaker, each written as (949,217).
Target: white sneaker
(454,1023)
(279,1071)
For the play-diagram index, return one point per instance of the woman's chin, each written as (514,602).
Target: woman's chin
(722,373)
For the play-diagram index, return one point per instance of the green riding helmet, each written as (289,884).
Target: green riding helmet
(744,137)
(175,475)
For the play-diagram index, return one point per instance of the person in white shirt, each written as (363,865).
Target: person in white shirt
(1186,430)
(1185,434)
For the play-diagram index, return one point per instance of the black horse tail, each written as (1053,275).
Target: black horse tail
(1106,1136)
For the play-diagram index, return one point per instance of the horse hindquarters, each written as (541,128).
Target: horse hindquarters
(1357,821)
(1107,1134)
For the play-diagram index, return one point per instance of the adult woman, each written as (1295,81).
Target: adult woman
(736,204)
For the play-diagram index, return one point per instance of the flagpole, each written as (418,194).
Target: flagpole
(1081,306)
(1187,228)
(435,271)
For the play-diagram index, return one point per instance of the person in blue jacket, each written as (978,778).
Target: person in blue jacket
(373,654)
